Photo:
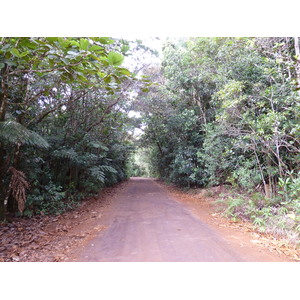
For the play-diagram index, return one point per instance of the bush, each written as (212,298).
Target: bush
(48,200)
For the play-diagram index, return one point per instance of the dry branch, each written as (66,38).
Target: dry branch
(17,187)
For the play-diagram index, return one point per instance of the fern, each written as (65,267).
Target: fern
(98,172)
(69,154)
(108,169)
(15,133)
(98,145)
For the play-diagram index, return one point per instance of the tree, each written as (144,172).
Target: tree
(42,78)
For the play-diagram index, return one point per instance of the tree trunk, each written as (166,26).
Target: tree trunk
(297,67)
(2,189)
(3,104)
(266,188)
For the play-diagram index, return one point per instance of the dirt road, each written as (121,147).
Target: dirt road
(145,223)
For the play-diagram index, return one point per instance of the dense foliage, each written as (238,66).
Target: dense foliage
(227,111)
(63,121)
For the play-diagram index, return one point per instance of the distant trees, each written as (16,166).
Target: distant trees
(228,111)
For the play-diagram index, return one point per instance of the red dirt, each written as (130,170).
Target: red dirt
(240,234)
(148,221)
(139,220)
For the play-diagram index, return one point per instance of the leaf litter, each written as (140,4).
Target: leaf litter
(51,238)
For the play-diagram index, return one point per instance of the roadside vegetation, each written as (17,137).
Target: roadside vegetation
(227,111)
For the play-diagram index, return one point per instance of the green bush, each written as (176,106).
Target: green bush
(48,200)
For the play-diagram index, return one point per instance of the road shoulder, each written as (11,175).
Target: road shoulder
(241,235)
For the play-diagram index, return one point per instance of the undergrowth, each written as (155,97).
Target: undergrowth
(274,216)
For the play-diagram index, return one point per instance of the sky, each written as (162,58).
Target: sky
(150,18)
(155,44)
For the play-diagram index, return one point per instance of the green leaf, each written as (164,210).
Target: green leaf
(125,48)
(30,44)
(82,78)
(10,63)
(124,71)
(74,43)
(15,52)
(116,79)
(63,42)
(65,60)
(84,44)
(96,48)
(105,40)
(2,65)
(52,39)
(107,79)
(115,59)
(101,75)
(24,53)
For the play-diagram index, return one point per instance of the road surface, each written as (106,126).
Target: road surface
(146,224)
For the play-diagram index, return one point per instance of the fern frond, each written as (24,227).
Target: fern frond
(99,172)
(108,169)
(69,154)
(98,145)
(15,133)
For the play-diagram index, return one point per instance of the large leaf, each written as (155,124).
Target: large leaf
(115,59)
(15,133)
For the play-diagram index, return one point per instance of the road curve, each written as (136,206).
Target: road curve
(146,224)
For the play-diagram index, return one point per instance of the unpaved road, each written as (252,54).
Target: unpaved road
(145,223)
